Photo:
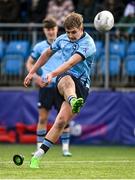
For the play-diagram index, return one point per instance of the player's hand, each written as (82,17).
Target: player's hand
(41,82)
(28,80)
(38,80)
(49,78)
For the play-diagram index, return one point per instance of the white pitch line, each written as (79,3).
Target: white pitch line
(91,161)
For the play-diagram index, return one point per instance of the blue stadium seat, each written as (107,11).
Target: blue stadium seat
(18,47)
(131,48)
(114,65)
(118,48)
(13,65)
(99,48)
(2,49)
(129,65)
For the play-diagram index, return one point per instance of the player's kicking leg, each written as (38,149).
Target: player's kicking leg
(67,87)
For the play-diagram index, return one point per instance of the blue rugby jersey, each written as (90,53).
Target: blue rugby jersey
(85,46)
(53,62)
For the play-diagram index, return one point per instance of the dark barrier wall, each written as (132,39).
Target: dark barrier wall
(107,117)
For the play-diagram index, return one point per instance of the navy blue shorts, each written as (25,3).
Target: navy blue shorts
(47,98)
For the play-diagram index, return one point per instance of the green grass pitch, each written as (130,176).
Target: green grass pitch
(87,162)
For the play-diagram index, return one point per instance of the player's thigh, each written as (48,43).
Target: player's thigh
(81,90)
(64,83)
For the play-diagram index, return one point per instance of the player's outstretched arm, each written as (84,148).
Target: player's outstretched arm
(76,58)
(40,62)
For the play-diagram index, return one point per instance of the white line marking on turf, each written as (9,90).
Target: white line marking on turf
(91,161)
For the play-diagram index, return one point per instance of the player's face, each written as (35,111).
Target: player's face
(74,33)
(51,33)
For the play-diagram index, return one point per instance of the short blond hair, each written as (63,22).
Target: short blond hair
(73,20)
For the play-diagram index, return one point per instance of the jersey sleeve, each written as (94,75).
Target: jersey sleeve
(86,49)
(35,54)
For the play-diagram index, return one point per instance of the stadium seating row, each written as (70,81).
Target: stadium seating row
(14,54)
(14,47)
(120,48)
(116,66)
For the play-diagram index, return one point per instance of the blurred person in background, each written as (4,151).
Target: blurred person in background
(9,11)
(24,10)
(33,11)
(75,2)
(88,8)
(47,95)
(128,17)
(59,9)
(38,10)
(115,7)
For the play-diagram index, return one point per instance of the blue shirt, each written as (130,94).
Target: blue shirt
(85,46)
(53,62)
